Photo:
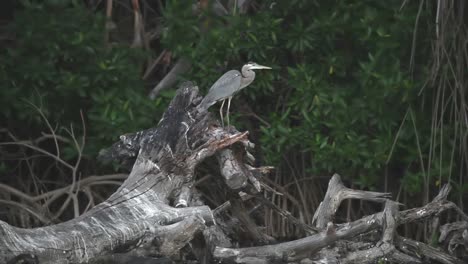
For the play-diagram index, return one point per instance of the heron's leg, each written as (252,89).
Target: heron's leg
(221,112)
(227,112)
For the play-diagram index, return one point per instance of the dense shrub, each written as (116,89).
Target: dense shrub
(59,63)
(348,92)
(340,87)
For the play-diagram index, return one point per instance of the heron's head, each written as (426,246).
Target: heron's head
(255,66)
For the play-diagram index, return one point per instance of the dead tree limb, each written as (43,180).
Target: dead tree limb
(310,246)
(335,194)
(141,216)
(157,210)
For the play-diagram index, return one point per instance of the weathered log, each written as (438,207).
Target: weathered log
(309,246)
(335,194)
(141,216)
(455,237)
(157,210)
(385,249)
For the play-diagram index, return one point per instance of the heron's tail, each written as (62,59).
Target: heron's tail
(205,104)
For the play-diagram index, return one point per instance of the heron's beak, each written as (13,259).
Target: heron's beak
(260,67)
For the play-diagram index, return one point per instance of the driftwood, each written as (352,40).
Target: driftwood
(156,216)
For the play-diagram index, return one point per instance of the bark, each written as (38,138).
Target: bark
(314,247)
(157,216)
(141,216)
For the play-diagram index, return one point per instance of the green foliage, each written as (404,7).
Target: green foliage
(60,63)
(340,87)
(339,91)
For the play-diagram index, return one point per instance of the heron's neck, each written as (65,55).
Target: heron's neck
(247,77)
(244,72)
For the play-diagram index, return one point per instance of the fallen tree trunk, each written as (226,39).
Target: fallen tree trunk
(157,211)
(141,216)
(387,221)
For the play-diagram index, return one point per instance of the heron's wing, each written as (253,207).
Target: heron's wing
(224,87)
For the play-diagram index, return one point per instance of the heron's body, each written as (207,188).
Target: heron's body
(222,89)
(229,84)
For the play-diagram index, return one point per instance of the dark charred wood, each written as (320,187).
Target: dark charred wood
(157,215)
(141,216)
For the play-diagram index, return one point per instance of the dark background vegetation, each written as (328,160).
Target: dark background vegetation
(372,90)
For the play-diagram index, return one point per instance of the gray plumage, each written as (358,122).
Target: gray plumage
(229,84)
(223,88)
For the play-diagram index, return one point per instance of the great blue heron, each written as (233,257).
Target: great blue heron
(229,84)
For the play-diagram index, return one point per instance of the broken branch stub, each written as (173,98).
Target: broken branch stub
(141,216)
(335,194)
(331,244)
(154,213)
